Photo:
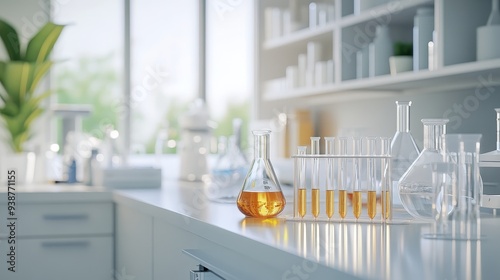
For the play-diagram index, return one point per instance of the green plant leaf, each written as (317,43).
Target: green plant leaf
(40,46)
(10,40)
(15,79)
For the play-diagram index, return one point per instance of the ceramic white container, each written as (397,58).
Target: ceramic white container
(400,64)
(22,163)
(488,42)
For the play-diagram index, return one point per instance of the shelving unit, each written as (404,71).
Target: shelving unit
(455,52)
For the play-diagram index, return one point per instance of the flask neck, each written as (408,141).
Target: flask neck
(432,136)
(403,118)
(261,146)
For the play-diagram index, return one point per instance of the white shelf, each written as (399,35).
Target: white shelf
(300,36)
(464,75)
(394,12)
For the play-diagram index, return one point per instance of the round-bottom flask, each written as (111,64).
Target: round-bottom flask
(415,186)
(261,195)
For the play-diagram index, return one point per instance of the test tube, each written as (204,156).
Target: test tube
(371,180)
(385,181)
(330,189)
(302,196)
(342,177)
(355,181)
(315,177)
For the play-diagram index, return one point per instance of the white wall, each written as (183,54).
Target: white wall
(469,111)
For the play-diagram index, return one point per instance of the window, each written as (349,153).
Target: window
(164,48)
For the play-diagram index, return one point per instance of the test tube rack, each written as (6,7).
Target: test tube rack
(349,188)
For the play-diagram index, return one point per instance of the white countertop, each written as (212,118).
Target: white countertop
(346,249)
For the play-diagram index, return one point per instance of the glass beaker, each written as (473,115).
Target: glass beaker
(261,195)
(403,147)
(415,186)
(463,149)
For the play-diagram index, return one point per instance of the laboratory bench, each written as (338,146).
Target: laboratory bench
(165,233)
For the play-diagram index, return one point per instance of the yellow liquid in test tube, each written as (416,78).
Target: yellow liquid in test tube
(315,202)
(302,202)
(387,202)
(330,196)
(372,204)
(342,203)
(356,204)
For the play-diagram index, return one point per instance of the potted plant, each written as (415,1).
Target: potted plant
(20,103)
(402,60)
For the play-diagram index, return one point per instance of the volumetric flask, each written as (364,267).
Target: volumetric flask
(261,195)
(415,187)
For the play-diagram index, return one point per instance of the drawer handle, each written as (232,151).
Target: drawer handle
(59,217)
(60,244)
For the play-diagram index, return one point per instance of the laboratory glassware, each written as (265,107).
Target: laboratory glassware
(342,175)
(330,183)
(261,194)
(228,172)
(463,149)
(301,182)
(370,180)
(315,177)
(356,194)
(403,147)
(385,178)
(415,186)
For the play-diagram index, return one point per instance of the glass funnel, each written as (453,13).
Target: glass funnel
(415,186)
(403,147)
(261,195)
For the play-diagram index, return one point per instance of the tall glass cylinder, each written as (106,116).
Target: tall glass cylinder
(301,195)
(370,181)
(261,195)
(416,187)
(357,201)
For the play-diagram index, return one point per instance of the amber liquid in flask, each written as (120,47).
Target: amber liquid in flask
(261,204)
(261,195)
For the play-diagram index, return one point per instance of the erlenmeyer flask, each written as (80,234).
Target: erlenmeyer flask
(228,172)
(415,186)
(404,151)
(261,195)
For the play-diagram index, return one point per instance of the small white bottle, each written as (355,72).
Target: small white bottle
(379,52)
(423,25)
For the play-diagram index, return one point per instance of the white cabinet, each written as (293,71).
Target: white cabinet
(59,241)
(168,260)
(134,243)
(454,52)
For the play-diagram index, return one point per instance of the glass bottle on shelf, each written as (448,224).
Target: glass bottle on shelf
(261,194)
(415,186)
(404,150)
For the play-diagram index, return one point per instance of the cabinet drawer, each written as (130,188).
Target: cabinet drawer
(59,259)
(60,219)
